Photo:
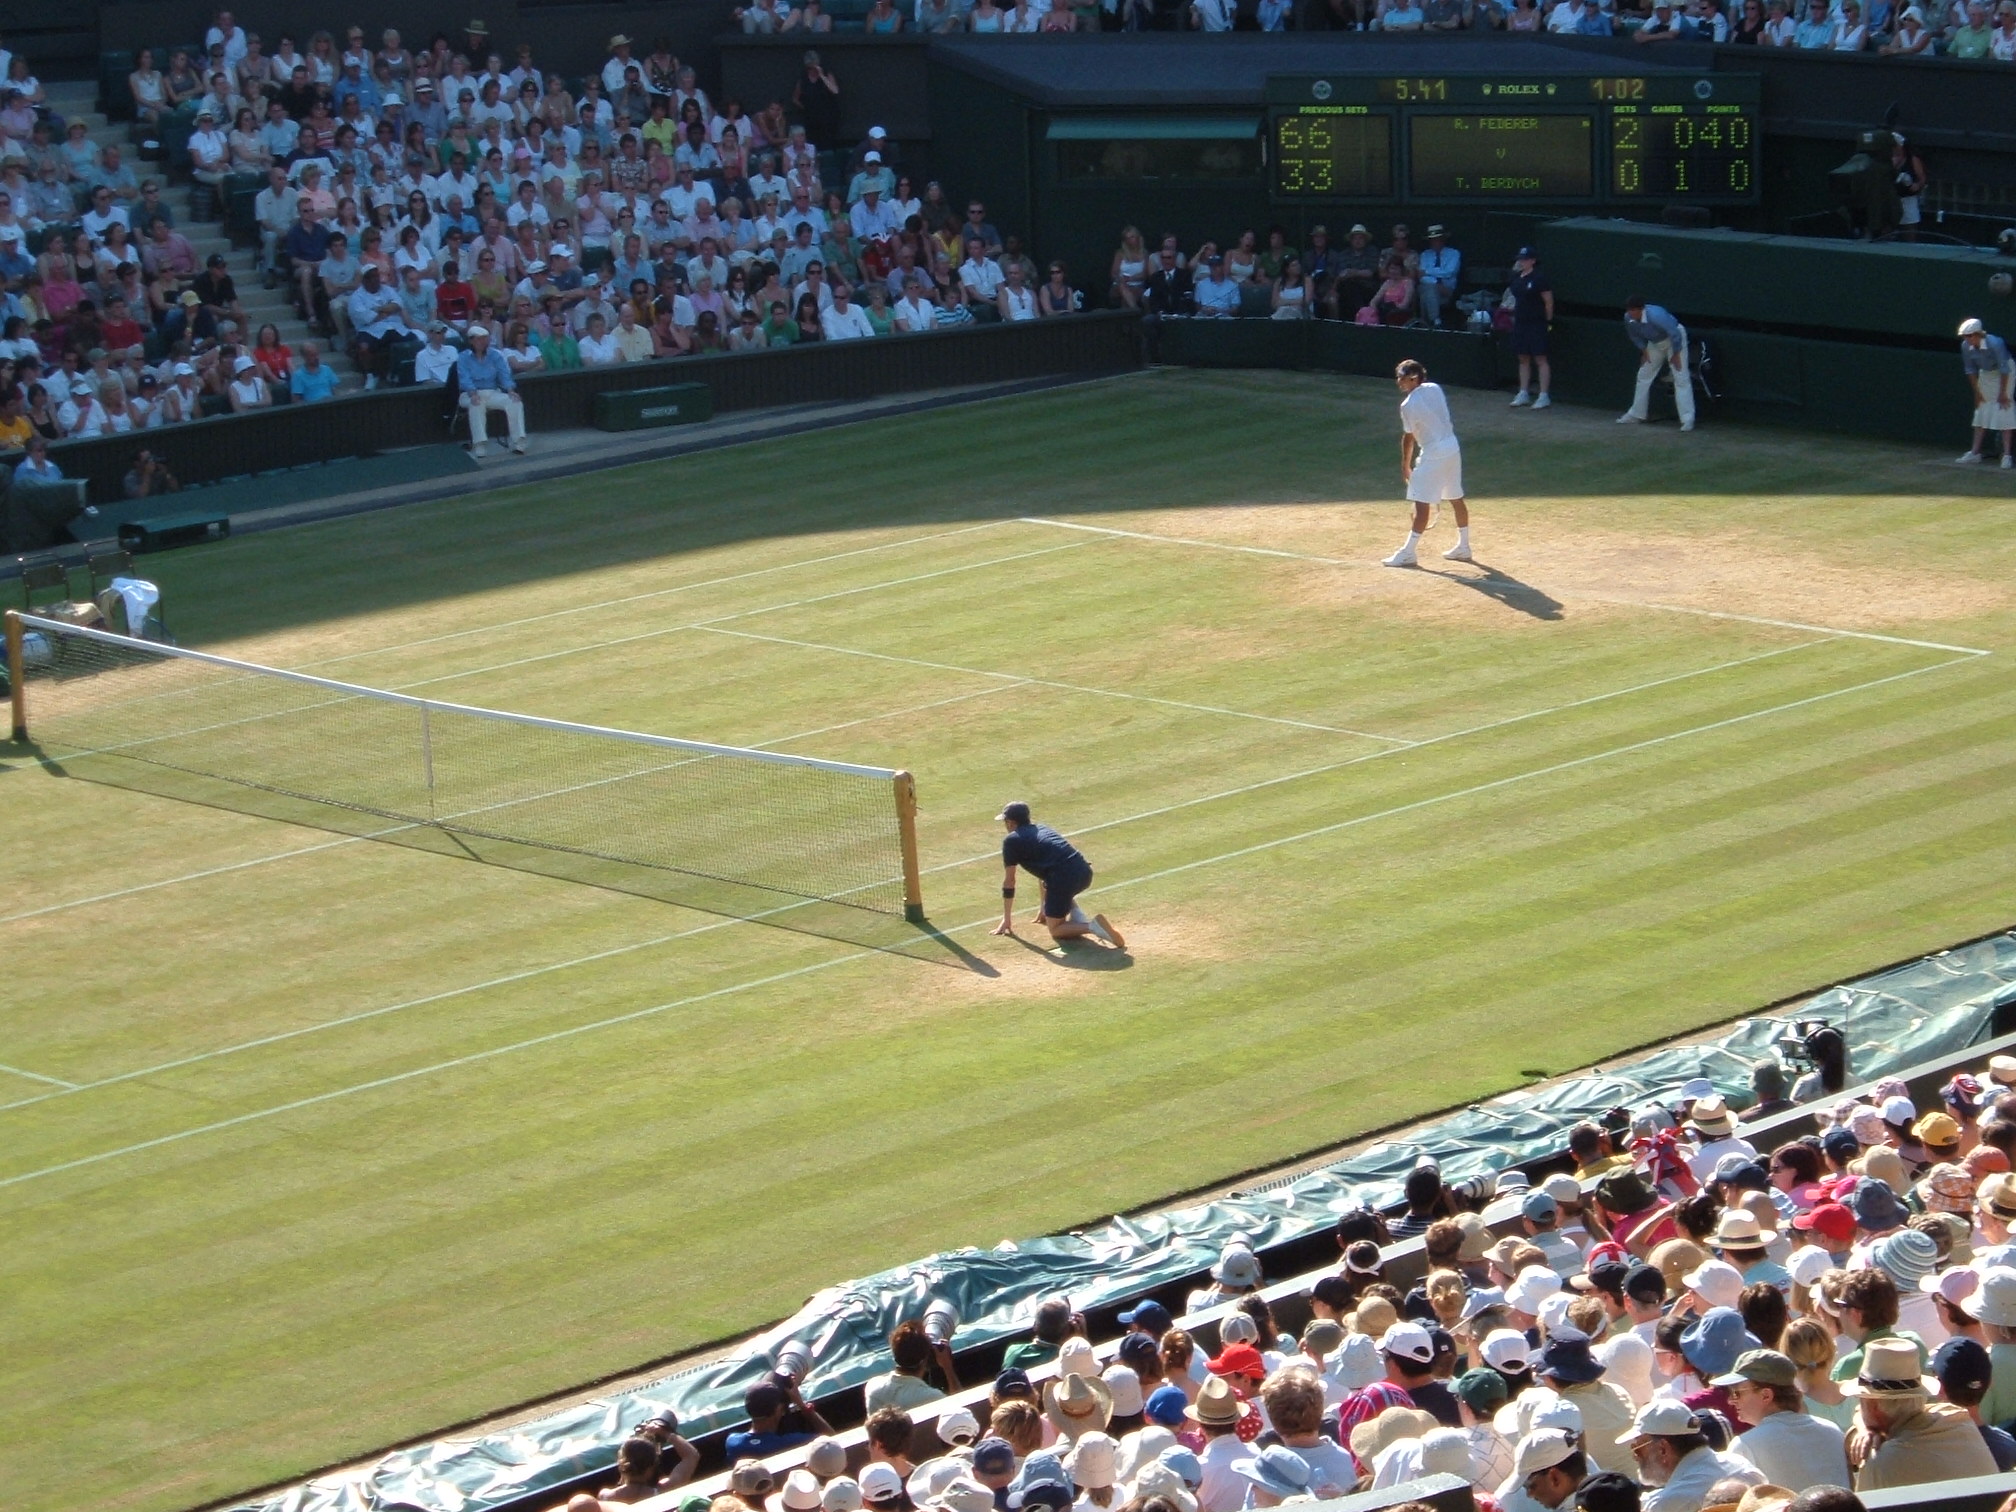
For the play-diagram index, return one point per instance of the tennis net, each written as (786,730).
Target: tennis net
(790,826)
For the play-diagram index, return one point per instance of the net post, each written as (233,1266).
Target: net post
(906,827)
(17,685)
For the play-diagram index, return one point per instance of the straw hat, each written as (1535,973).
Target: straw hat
(1091,1461)
(1217,1404)
(1890,1368)
(1077,1404)
(1711,1117)
(1390,1427)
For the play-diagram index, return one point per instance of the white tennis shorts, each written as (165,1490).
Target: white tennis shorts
(1437,475)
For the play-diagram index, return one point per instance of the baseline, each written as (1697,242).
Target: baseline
(633,1016)
(1587,598)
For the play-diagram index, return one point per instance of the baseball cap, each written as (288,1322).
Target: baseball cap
(1645,1283)
(1542,1449)
(1525,254)
(871,157)
(1540,1208)
(1972,327)
(1962,1362)
(1135,1349)
(880,1483)
(1018,813)
(993,1456)
(1482,1391)
(1764,1367)
(1408,1340)
(1148,1315)
(1662,1417)
(1841,1143)
(1828,1219)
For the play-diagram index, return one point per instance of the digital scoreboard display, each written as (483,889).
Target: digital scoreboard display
(1480,138)
(1501,156)
(1344,153)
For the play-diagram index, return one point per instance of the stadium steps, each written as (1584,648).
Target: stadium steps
(79,102)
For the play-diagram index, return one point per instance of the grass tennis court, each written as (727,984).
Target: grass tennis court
(310,1143)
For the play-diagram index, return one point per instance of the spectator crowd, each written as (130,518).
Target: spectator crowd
(1697,1317)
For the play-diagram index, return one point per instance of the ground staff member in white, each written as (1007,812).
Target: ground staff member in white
(1987,357)
(487,386)
(1431,463)
(1659,338)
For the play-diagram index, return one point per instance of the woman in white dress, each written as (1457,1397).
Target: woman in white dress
(1292,298)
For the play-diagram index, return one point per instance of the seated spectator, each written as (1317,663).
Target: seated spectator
(1393,302)
(1217,293)
(311,380)
(248,388)
(1974,40)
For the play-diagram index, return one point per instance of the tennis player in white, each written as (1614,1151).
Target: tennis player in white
(1431,463)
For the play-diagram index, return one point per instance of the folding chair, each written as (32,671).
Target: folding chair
(105,566)
(40,578)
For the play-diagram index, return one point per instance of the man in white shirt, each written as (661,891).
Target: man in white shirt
(273,209)
(592,306)
(376,319)
(767,181)
(1711,1121)
(620,62)
(915,314)
(1431,462)
(844,320)
(209,150)
(1781,1438)
(436,360)
(1217,295)
(228,32)
(684,195)
(1441,268)
(980,277)
(1675,1460)
(598,347)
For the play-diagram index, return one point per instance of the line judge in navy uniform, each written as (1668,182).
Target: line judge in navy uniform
(1063,871)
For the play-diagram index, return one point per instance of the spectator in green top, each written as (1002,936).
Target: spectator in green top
(1975,38)
(1055,1323)
(779,329)
(914,1353)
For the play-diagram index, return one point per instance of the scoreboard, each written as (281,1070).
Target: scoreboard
(1485,138)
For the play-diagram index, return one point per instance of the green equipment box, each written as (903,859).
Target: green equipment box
(639,409)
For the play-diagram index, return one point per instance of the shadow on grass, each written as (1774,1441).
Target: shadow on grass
(1079,955)
(869,928)
(1505,589)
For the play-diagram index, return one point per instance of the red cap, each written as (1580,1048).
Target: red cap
(1829,1219)
(1239,1359)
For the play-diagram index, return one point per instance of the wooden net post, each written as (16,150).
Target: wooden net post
(17,685)
(906,826)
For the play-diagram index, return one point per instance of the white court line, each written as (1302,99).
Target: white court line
(1188,866)
(944,866)
(1044,682)
(455,992)
(1588,598)
(36,1076)
(636,598)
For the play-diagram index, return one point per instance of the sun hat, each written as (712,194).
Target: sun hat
(2001,1068)
(1946,1188)
(1662,1417)
(1738,1230)
(1480,1299)
(1867,1124)
(1565,1357)
(1716,1282)
(1763,1367)
(1507,1349)
(1509,1181)
(1357,1364)
(1091,1461)
(1997,1195)
(1166,1405)
(1553,1314)
(1695,1088)
(1953,1233)
(1387,1429)
(1476,1238)
(1884,1164)
(1217,1405)
(1713,1342)
(1185,1464)
(1159,1478)
(1876,1206)
(1139,1448)
(965,1494)
(1889,1368)
(801,1493)
(1532,1286)
(1076,1356)
(1542,1449)
(1276,1469)
(843,1492)
(1994,1301)
(1711,1116)
(1077,1404)
(1237,1266)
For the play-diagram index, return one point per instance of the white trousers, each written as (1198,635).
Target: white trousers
(1658,355)
(482,402)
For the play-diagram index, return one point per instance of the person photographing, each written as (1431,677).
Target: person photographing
(1063,872)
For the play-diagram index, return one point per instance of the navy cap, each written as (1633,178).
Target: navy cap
(1137,1347)
(1962,1362)
(1015,813)
(1524,253)
(994,1456)
(1646,1283)
(1149,1315)
(1012,1381)
(1841,1144)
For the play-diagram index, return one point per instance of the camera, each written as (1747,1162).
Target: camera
(1797,1046)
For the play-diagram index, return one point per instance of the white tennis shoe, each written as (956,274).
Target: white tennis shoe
(1458,553)
(1969,458)
(1404,557)
(1521,399)
(1545,401)
(1627,418)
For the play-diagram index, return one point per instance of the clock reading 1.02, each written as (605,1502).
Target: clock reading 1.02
(1511,156)
(1681,151)
(1339,152)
